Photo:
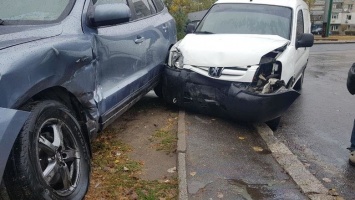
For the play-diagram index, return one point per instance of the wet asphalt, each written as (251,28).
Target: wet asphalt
(317,127)
(227,160)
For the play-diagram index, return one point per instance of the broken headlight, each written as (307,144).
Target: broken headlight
(267,78)
(177,59)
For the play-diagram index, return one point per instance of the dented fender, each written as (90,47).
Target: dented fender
(11,122)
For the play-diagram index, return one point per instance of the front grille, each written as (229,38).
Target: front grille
(228,71)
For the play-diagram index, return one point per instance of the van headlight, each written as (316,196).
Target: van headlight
(176,59)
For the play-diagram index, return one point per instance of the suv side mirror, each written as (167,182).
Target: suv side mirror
(190,28)
(305,40)
(109,14)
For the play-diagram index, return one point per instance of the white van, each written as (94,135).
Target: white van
(246,59)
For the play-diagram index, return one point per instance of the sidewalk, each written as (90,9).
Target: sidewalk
(334,39)
(225,160)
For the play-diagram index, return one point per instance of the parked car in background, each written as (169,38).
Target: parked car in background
(67,70)
(317,31)
(245,60)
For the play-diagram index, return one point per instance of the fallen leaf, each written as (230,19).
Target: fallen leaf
(327,180)
(117,161)
(193,173)
(258,149)
(125,169)
(219,195)
(241,138)
(333,192)
(172,170)
(134,196)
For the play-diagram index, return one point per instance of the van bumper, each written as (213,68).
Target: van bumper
(202,94)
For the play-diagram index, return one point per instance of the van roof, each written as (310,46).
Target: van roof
(286,3)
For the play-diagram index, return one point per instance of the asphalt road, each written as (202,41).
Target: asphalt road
(318,125)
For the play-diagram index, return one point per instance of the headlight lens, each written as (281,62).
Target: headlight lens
(177,59)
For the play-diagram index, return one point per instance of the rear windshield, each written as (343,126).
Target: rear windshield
(247,19)
(34,11)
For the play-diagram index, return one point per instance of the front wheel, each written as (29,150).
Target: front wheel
(274,123)
(50,158)
(299,84)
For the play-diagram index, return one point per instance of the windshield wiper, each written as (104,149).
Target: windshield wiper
(204,32)
(2,22)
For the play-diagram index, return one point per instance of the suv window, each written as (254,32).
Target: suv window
(159,5)
(100,2)
(142,8)
(300,24)
(34,12)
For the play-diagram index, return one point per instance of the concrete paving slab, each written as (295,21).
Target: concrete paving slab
(226,160)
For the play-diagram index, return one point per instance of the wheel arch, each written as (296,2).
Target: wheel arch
(62,95)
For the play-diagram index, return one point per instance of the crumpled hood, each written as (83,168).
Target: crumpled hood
(227,50)
(15,35)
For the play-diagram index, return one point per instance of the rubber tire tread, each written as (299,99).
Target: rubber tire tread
(20,182)
(274,124)
(299,84)
(158,90)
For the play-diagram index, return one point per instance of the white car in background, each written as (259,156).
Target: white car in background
(246,60)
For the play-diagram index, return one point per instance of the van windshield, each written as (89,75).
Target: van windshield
(247,19)
(34,11)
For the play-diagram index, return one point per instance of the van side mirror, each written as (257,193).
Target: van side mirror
(109,14)
(190,28)
(305,40)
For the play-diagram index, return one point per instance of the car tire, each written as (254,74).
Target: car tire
(3,192)
(299,84)
(274,124)
(50,158)
(158,90)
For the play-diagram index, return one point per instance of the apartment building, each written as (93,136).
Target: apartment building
(342,18)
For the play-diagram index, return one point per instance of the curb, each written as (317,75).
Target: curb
(333,42)
(308,183)
(181,161)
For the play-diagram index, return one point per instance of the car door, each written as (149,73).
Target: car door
(301,54)
(156,32)
(121,52)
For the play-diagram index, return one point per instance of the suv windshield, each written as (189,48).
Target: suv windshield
(34,11)
(247,19)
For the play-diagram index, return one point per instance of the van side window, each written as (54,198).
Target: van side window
(142,8)
(300,24)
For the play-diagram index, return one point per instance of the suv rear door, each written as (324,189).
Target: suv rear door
(130,56)
(121,52)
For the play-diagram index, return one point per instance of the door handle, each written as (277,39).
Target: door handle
(139,39)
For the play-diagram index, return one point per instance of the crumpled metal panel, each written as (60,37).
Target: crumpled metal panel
(222,98)
(11,122)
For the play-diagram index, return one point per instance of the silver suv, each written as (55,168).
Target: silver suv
(67,69)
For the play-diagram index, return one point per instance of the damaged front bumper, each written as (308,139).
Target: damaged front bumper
(11,122)
(223,98)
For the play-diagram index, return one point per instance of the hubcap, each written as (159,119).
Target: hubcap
(58,156)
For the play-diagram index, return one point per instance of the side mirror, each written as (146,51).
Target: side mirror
(305,40)
(109,14)
(190,28)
